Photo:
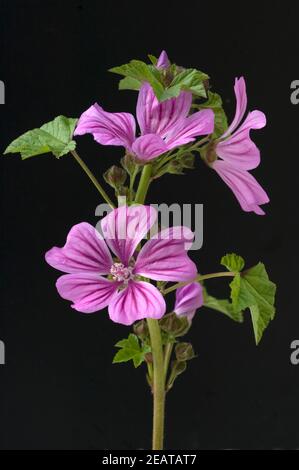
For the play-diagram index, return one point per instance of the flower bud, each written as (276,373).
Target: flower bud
(115,176)
(128,162)
(177,368)
(187,161)
(184,352)
(141,330)
(174,325)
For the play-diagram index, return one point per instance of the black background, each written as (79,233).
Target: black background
(58,389)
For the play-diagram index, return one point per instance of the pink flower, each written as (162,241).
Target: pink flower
(238,154)
(96,280)
(188,299)
(163,61)
(163,126)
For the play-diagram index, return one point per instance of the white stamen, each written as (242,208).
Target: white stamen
(121,273)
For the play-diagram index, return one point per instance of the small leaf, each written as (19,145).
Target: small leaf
(137,72)
(129,83)
(140,72)
(214,102)
(191,80)
(54,136)
(252,289)
(233,262)
(153,59)
(171,92)
(131,350)
(223,306)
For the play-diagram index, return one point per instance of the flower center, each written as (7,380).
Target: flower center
(120,272)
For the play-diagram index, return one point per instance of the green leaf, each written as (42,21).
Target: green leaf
(233,262)
(171,92)
(130,349)
(153,59)
(136,72)
(252,289)
(140,72)
(129,83)
(191,80)
(54,136)
(223,306)
(214,102)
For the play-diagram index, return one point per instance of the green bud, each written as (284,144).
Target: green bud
(174,325)
(115,176)
(174,167)
(208,153)
(184,352)
(128,162)
(141,330)
(177,368)
(187,161)
(122,191)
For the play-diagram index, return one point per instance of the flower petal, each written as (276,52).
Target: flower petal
(247,190)
(163,61)
(188,299)
(85,250)
(149,146)
(239,150)
(159,118)
(125,227)
(241,105)
(200,123)
(89,292)
(138,300)
(165,259)
(107,128)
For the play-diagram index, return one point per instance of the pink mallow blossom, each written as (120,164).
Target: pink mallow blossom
(188,299)
(163,125)
(163,61)
(239,154)
(96,279)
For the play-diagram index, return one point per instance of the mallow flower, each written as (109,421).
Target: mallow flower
(163,61)
(238,154)
(188,299)
(96,278)
(163,125)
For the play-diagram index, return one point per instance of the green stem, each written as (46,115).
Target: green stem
(167,356)
(143,184)
(92,178)
(198,279)
(158,384)
(132,181)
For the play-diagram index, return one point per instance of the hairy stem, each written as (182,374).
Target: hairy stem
(143,183)
(92,178)
(167,356)
(158,385)
(200,277)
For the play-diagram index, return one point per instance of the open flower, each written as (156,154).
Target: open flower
(163,126)
(96,280)
(239,154)
(188,299)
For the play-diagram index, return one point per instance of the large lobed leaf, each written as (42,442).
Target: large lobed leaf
(252,289)
(54,136)
(222,305)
